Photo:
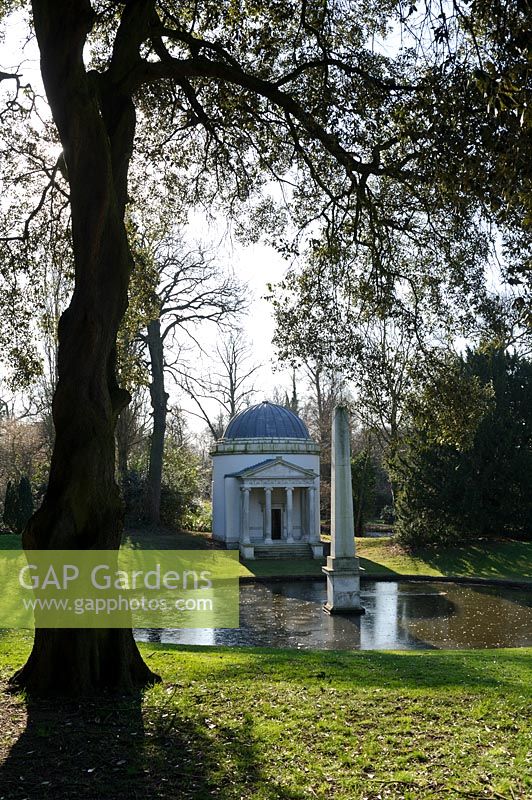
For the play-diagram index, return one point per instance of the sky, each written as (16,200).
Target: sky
(256,265)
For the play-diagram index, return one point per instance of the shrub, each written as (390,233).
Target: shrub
(180,490)
(201,518)
(134,494)
(18,505)
(388,515)
(10,507)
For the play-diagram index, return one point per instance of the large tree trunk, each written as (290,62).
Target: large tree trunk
(159,400)
(82,508)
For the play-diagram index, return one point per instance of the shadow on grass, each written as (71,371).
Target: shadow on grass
(120,748)
(71,750)
(10,541)
(373,568)
(165,539)
(482,558)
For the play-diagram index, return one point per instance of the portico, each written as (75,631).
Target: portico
(278,505)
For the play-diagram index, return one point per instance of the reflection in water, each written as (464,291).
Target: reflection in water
(399,616)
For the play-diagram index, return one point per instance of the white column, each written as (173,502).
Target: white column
(230,531)
(245,515)
(289,514)
(342,570)
(342,517)
(312,515)
(268,515)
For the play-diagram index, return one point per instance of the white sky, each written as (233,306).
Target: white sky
(256,265)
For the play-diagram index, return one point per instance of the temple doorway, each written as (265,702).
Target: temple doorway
(277,523)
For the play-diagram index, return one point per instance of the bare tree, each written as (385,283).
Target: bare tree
(131,430)
(279,395)
(192,291)
(324,389)
(391,356)
(227,388)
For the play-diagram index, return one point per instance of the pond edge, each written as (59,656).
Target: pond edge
(398,578)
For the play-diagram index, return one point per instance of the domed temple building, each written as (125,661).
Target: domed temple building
(265,488)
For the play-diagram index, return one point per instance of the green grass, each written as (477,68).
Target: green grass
(248,724)
(166,539)
(284,567)
(485,559)
(161,538)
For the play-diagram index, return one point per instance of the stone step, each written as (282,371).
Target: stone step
(288,550)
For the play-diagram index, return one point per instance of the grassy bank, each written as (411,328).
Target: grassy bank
(382,556)
(280,725)
(505,558)
(485,559)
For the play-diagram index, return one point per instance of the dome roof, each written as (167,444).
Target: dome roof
(266,421)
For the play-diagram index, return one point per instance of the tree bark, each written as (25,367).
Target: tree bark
(159,400)
(82,508)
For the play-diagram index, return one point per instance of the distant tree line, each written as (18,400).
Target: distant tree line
(444,456)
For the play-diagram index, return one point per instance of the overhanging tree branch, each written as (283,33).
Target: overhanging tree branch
(200,67)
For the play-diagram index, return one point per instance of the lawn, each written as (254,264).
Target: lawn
(486,559)
(504,558)
(382,556)
(281,725)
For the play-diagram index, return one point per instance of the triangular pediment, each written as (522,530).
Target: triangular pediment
(275,468)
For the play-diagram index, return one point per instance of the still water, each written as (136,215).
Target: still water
(399,616)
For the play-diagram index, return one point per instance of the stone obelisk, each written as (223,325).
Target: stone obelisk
(342,571)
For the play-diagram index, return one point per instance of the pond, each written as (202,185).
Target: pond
(399,616)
